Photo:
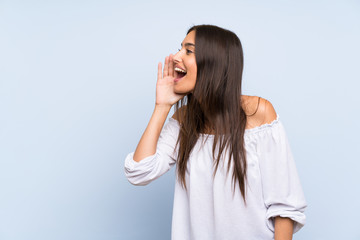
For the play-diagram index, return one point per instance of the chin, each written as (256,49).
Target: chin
(180,91)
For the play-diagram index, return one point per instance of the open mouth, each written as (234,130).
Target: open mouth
(179,73)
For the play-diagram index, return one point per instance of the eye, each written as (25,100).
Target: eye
(187,51)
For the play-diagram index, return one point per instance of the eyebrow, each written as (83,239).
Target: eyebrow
(188,44)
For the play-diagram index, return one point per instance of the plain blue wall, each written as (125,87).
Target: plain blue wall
(77,88)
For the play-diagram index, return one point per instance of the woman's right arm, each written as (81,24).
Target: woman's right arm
(165,98)
(155,153)
(150,137)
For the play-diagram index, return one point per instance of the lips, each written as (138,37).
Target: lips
(179,73)
(177,66)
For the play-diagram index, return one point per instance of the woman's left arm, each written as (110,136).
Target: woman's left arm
(283,228)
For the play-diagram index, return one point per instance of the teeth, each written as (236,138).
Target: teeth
(180,70)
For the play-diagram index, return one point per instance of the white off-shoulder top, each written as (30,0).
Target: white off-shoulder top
(208,209)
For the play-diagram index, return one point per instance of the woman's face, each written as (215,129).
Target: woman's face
(185,60)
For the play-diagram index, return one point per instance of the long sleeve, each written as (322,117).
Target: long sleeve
(282,191)
(152,167)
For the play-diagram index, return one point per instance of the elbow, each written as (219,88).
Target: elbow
(137,182)
(140,173)
(136,178)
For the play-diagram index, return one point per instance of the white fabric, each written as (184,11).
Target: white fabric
(208,210)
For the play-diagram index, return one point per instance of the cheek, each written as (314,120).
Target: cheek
(193,69)
(194,73)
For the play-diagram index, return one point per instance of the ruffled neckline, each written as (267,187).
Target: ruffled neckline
(247,131)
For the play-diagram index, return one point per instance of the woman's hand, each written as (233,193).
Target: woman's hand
(165,95)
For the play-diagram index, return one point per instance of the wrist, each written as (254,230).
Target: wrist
(165,107)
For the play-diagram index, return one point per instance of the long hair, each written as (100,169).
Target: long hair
(215,102)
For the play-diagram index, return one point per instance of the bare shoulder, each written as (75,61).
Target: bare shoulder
(258,110)
(179,113)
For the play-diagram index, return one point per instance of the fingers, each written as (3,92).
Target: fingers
(171,65)
(166,66)
(159,71)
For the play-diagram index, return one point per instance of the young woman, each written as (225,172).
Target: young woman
(216,131)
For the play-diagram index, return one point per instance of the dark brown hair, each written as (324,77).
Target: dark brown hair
(215,103)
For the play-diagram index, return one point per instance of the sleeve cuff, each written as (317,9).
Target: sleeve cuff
(131,164)
(298,217)
(137,172)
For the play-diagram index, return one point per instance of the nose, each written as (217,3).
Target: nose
(177,57)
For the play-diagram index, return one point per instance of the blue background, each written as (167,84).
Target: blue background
(77,89)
